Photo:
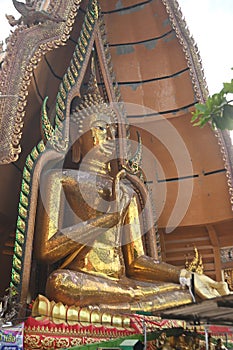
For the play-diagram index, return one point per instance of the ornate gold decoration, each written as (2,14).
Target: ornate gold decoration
(226,254)
(133,165)
(14,100)
(30,15)
(196,265)
(55,135)
(58,313)
(91,105)
(228,276)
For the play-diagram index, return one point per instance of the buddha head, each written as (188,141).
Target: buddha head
(93,133)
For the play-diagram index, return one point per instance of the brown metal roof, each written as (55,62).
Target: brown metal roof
(217,311)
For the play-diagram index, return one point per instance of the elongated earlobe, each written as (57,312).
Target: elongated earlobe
(75,148)
(76,152)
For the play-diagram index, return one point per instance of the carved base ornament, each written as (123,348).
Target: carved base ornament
(228,275)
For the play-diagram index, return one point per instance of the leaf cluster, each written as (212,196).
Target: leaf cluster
(217,110)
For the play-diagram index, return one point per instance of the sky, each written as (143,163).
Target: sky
(7,7)
(210,24)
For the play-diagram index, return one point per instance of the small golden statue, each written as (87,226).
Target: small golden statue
(196,265)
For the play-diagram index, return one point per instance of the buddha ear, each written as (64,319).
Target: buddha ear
(76,152)
(75,149)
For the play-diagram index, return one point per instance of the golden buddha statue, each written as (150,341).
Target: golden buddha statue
(90,222)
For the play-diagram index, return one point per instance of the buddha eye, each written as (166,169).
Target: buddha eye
(102,128)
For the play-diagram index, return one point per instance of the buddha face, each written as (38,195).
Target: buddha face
(103,133)
(98,141)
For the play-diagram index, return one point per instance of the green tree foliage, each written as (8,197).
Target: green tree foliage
(218,110)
